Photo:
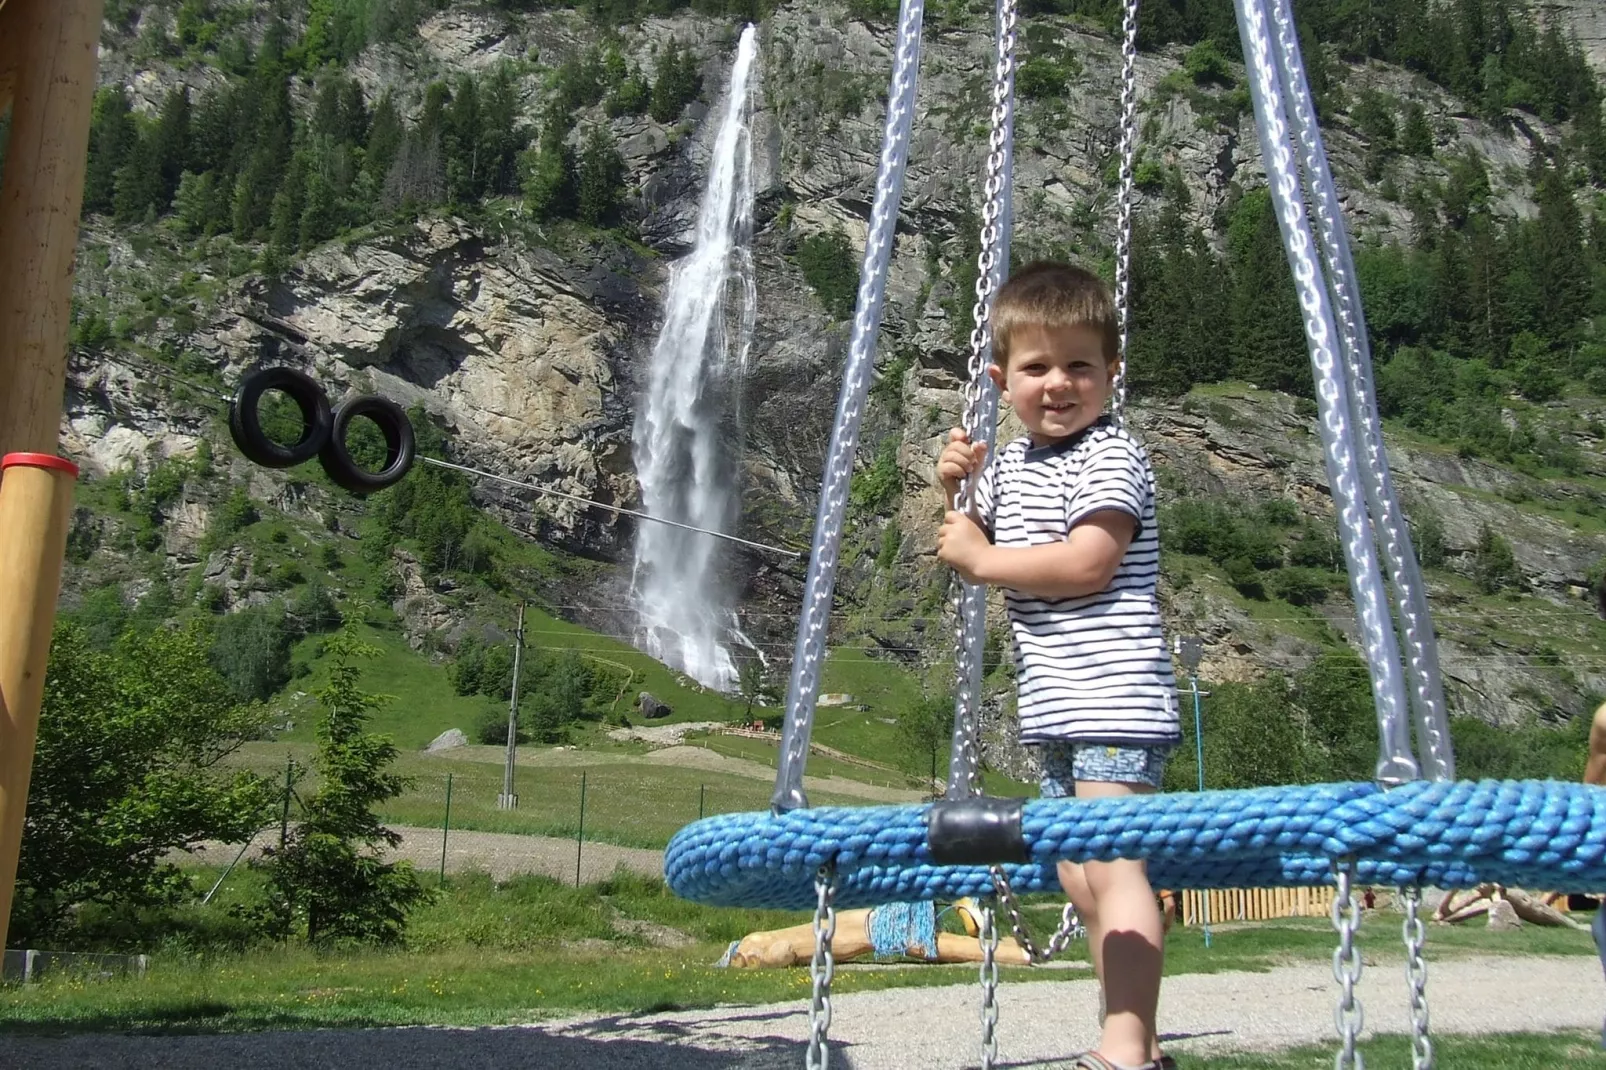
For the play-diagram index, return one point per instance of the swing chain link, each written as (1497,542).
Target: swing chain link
(1070,926)
(1123,227)
(1416,976)
(989,988)
(1348,1015)
(992,208)
(991,212)
(822,968)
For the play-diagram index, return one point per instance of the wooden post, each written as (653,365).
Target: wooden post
(35,506)
(57,42)
(52,46)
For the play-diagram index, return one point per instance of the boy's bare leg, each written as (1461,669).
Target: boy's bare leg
(1073,878)
(1128,944)
(1595,767)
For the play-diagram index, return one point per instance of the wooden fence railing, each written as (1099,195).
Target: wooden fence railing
(1256,904)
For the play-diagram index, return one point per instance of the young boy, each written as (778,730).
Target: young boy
(1064,521)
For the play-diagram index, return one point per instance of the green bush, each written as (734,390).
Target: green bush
(251,651)
(1041,78)
(831,270)
(1205,64)
(1300,586)
(1494,566)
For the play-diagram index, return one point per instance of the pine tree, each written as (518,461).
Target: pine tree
(330,882)
(385,137)
(139,181)
(1559,263)
(289,201)
(1268,344)
(170,145)
(320,217)
(601,177)
(112,136)
(267,151)
(465,181)
(201,204)
(1416,136)
(501,136)
(353,126)
(675,82)
(549,172)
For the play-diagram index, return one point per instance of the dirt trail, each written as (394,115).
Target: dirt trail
(502,854)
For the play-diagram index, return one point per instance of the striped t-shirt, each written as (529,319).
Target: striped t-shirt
(1091,669)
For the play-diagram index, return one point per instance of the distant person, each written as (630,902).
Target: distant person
(1064,521)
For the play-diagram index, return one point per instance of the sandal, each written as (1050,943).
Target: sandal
(1092,1060)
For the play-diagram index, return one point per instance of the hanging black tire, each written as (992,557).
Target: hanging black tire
(399,448)
(245,418)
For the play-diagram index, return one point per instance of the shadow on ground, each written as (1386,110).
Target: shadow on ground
(610,1044)
(619,1042)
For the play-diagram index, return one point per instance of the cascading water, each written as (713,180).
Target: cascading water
(684,463)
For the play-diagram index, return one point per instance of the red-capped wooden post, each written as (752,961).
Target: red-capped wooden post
(48,55)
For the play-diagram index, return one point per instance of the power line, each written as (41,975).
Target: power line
(437,462)
(602,505)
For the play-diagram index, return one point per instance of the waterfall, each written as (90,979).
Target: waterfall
(685,463)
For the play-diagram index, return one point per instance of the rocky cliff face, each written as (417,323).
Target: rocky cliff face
(530,343)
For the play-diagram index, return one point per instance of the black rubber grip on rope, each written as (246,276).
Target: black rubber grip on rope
(976,832)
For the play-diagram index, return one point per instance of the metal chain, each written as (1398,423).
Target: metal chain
(989,989)
(808,659)
(992,209)
(967,646)
(822,968)
(1123,227)
(1416,977)
(1434,751)
(1347,967)
(1070,926)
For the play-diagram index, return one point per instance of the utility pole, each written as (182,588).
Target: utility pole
(1190,650)
(508,800)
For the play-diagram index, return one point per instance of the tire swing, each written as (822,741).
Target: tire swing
(323,432)
(1414,824)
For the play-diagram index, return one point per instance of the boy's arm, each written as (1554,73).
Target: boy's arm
(1083,564)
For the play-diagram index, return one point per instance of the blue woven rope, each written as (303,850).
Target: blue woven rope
(900,930)
(1451,834)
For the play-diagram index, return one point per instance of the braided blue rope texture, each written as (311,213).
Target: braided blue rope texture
(904,930)
(1450,834)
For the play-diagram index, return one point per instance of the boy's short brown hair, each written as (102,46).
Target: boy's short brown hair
(1051,294)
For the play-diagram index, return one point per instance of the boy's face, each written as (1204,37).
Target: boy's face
(1057,380)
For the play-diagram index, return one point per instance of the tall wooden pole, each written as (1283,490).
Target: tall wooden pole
(54,46)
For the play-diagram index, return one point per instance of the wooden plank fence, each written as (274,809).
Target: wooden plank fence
(1256,904)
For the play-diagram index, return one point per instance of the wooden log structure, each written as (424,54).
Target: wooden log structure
(1254,904)
(49,50)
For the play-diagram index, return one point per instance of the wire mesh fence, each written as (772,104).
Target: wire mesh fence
(607,807)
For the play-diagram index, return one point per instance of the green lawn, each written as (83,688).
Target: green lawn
(1511,1051)
(425,705)
(767,753)
(627,803)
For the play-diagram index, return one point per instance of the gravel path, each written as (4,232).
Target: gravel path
(502,854)
(899,1029)
(684,756)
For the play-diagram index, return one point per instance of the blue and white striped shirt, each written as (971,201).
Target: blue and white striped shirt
(1092,669)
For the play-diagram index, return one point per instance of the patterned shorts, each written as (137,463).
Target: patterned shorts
(1066,763)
